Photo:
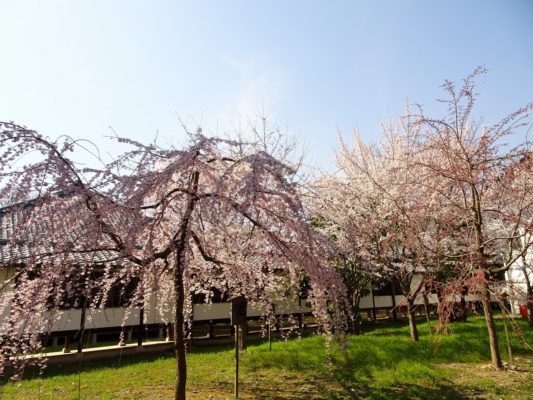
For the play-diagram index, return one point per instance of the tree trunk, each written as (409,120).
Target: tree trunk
(530,306)
(373,304)
(529,291)
(412,321)
(464,311)
(350,312)
(491,326)
(179,337)
(426,310)
(181,249)
(357,313)
(440,305)
(357,323)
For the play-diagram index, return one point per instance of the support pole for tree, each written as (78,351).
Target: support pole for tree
(270,327)
(236,361)
(269,336)
(508,341)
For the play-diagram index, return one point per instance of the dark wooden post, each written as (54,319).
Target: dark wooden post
(238,319)
(394,314)
(211,333)
(170,333)
(269,336)
(277,324)
(141,327)
(82,330)
(300,314)
(66,347)
(236,362)
(373,304)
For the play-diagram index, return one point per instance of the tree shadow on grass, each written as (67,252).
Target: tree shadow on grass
(32,372)
(407,392)
(326,390)
(117,362)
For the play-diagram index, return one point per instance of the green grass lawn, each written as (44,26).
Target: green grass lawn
(380,364)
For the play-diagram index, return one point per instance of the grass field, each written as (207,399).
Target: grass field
(380,364)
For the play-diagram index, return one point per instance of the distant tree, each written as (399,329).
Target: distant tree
(217,214)
(381,214)
(356,277)
(471,162)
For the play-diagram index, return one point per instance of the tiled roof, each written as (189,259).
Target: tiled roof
(30,243)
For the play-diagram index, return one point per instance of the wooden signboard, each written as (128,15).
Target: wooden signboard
(238,310)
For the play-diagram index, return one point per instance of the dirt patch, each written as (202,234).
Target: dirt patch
(482,381)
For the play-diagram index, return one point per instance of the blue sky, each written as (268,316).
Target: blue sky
(314,67)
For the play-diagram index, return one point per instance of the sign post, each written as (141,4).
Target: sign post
(238,318)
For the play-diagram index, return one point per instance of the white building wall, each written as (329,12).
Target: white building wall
(516,282)
(69,320)
(5,293)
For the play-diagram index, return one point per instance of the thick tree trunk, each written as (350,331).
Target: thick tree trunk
(179,337)
(412,321)
(491,326)
(181,249)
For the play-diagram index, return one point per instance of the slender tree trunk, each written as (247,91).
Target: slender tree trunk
(350,312)
(529,291)
(491,326)
(356,314)
(357,323)
(412,321)
(440,305)
(426,309)
(464,312)
(373,304)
